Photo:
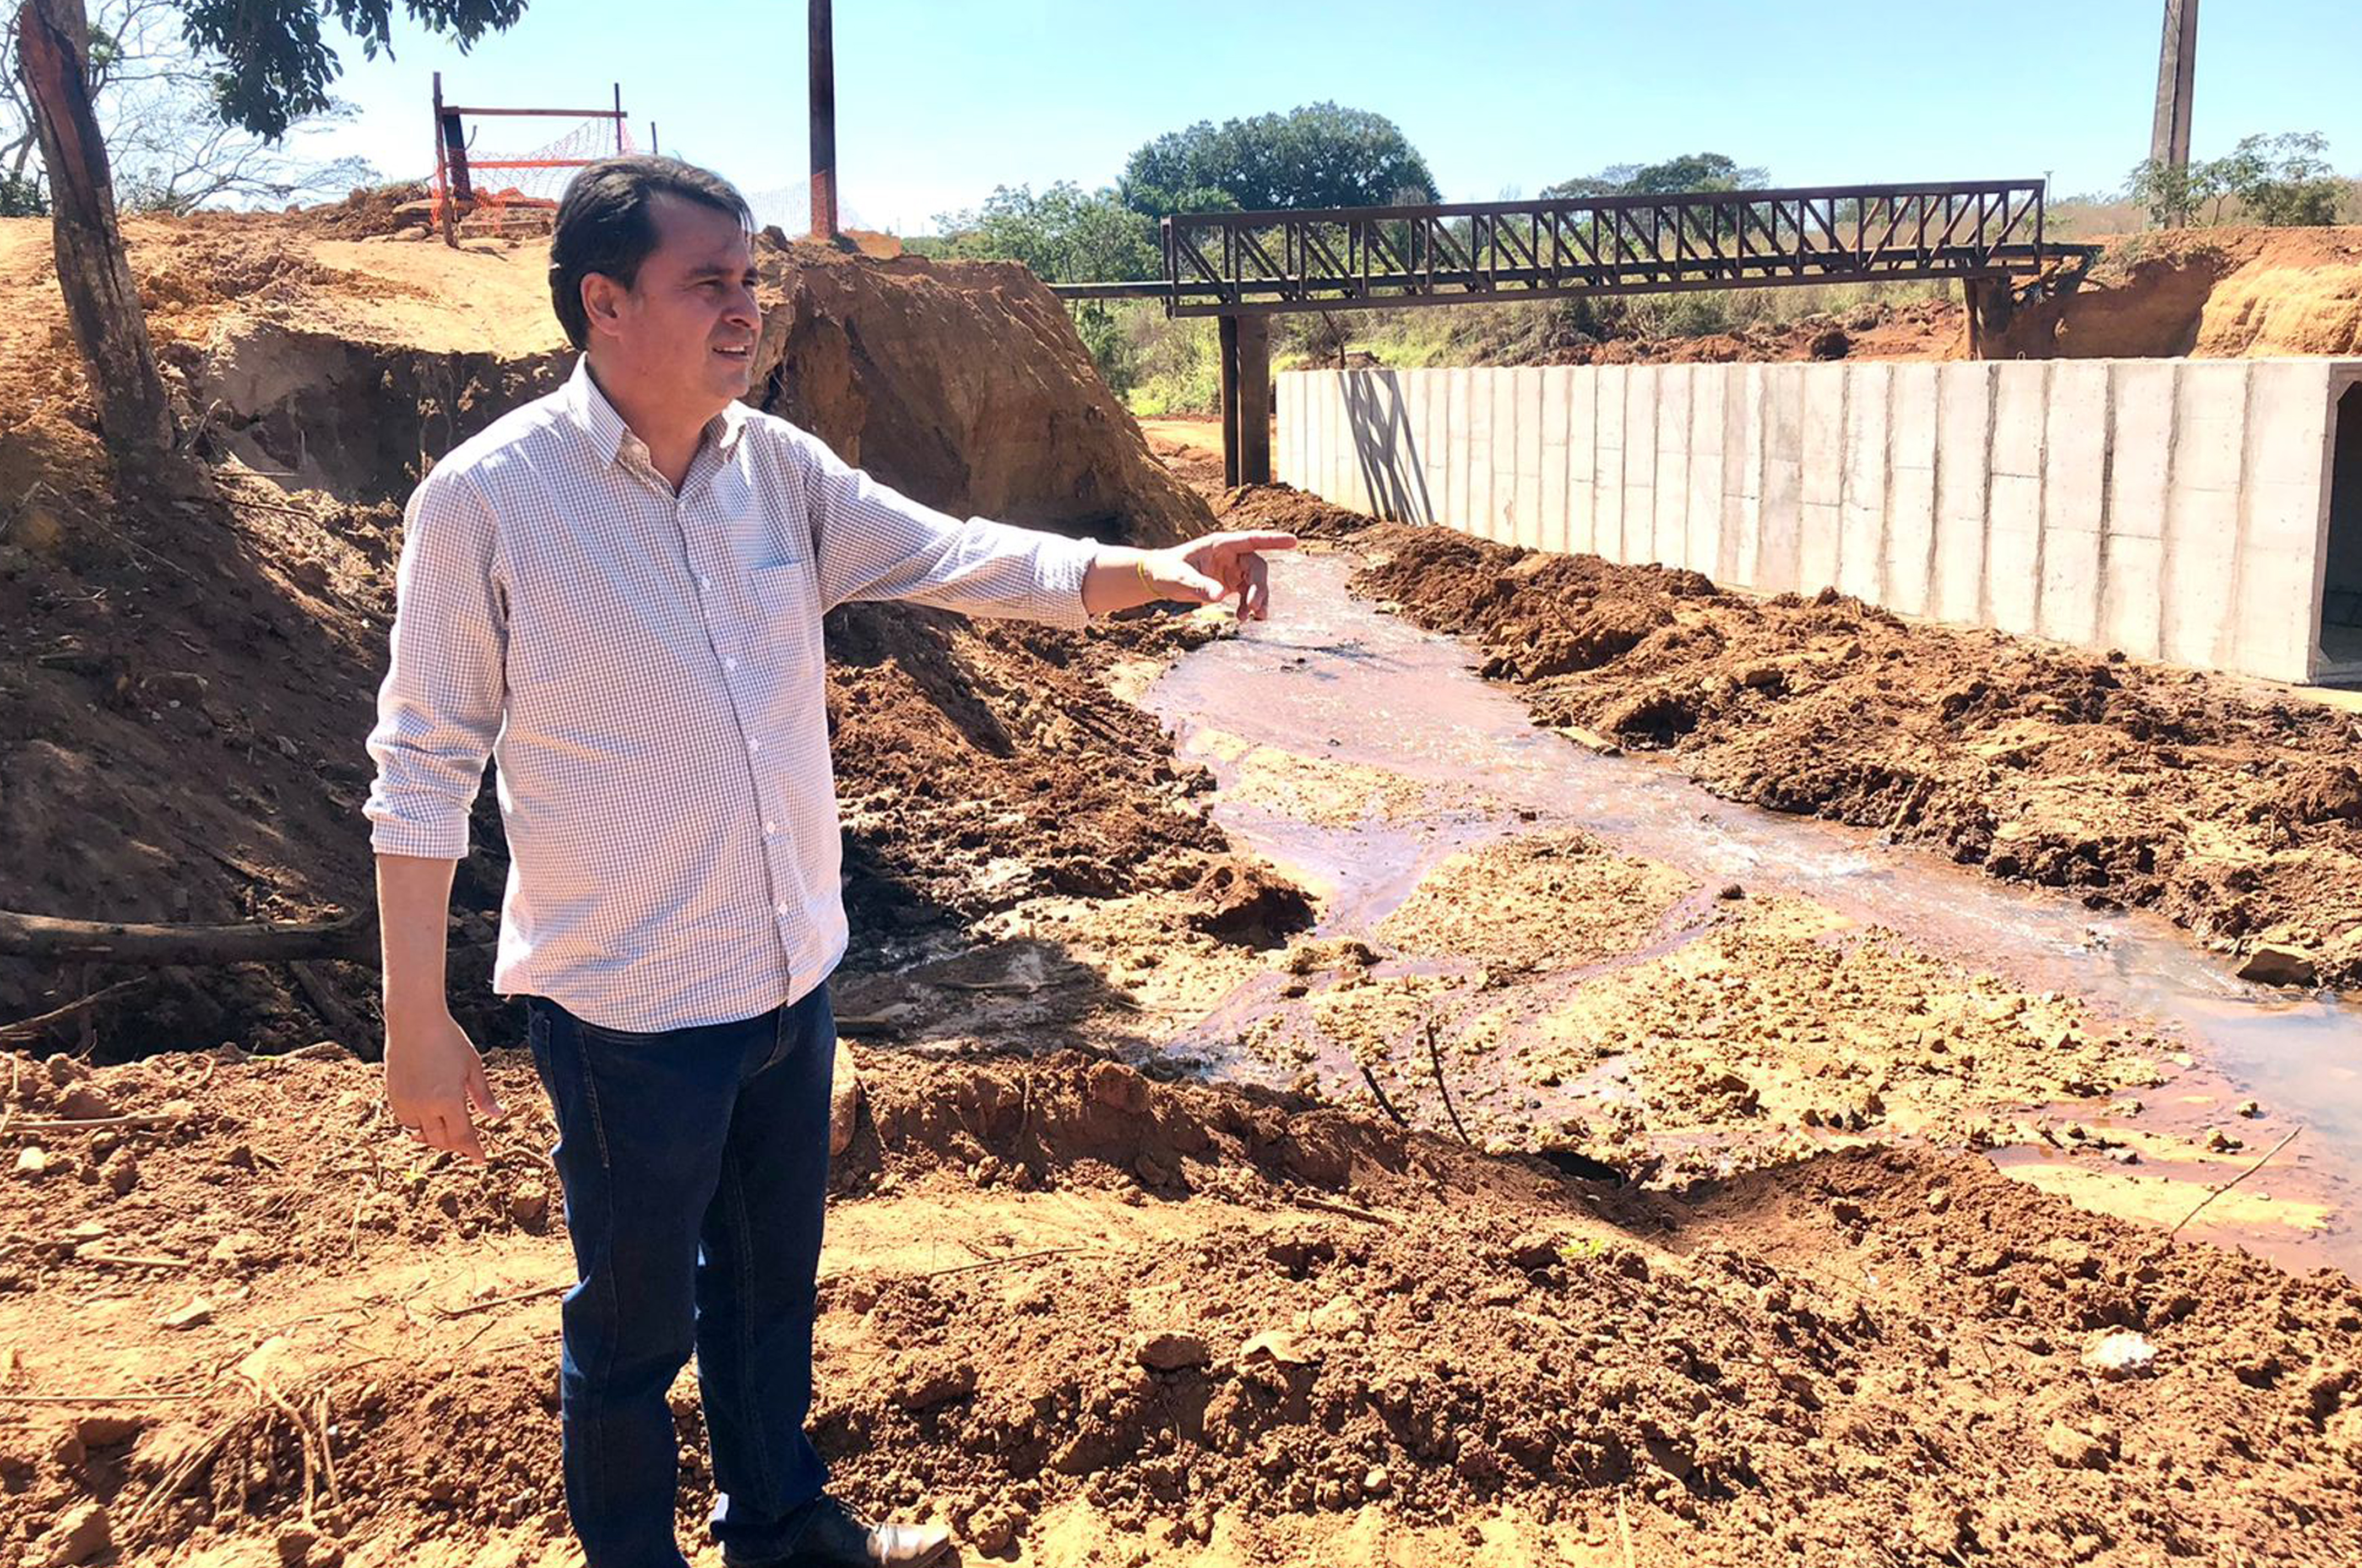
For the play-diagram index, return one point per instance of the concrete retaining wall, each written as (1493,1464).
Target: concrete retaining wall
(2177,510)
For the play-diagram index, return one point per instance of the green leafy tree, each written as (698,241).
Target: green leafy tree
(2174,194)
(21,197)
(1065,235)
(2283,179)
(1689,171)
(277,64)
(1320,154)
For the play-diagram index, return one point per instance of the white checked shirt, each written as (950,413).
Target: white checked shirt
(646,667)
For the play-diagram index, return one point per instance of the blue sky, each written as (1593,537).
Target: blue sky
(939,101)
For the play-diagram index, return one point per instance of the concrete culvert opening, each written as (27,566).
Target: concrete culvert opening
(2341,599)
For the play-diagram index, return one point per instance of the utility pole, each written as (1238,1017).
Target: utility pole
(824,124)
(2177,65)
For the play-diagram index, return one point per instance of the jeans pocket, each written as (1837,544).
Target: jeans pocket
(621,1039)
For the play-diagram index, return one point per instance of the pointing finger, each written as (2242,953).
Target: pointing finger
(1254,598)
(1237,543)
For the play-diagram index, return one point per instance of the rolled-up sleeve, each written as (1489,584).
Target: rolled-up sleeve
(871,542)
(439,708)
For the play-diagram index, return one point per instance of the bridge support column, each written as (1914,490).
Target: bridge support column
(1246,400)
(1990,305)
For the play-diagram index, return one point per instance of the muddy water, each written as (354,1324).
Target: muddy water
(1365,697)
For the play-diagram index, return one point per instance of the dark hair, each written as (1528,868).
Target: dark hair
(603,225)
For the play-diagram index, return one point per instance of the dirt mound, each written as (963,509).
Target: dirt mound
(1484,900)
(1168,1316)
(1290,510)
(368,211)
(2203,797)
(2223,293)
(963,384)
(982,764)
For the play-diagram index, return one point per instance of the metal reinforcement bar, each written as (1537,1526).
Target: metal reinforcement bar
(1234,264)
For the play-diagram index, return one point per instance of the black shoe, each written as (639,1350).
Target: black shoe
(832,1538)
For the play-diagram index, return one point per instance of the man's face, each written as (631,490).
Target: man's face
(682,337)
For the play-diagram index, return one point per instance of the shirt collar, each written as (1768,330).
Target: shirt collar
(609,434)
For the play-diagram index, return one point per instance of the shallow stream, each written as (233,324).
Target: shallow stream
(1336,680)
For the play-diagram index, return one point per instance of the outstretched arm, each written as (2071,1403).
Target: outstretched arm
(873,543)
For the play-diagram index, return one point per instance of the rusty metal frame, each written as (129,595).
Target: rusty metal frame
(453,168)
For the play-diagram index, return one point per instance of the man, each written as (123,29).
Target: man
(618,590)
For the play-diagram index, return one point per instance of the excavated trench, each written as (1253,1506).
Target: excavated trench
(362,421)
(1434,762)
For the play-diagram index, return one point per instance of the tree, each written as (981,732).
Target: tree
(152,95)
(1320,154)
(2173,192)
(101,301)
(269,66)
(2283,179)
(1688,171)
(2279,179)
(1065,235)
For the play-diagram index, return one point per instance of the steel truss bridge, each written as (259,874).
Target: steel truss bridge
(1245,268)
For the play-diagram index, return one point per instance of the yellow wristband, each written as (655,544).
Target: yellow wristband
(1140,566)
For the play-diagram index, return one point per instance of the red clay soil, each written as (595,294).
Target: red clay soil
(2233,811)
(1163,1315)
(185,701)
(2211,293)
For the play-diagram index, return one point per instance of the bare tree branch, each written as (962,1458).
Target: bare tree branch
(171,151)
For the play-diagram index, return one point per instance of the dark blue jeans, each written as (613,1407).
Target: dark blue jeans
(695,1166)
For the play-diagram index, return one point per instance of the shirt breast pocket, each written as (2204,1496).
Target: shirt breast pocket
(786,605)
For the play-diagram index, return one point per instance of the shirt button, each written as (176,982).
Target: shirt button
(754,745)
(703,581)
(770,827)
(781,907)
(729,663)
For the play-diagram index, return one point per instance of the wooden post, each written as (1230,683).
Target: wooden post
(102,299)
(1233,451)
(620,148)
(1255,400)
(443,173)
(2177,67)
(823,123)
